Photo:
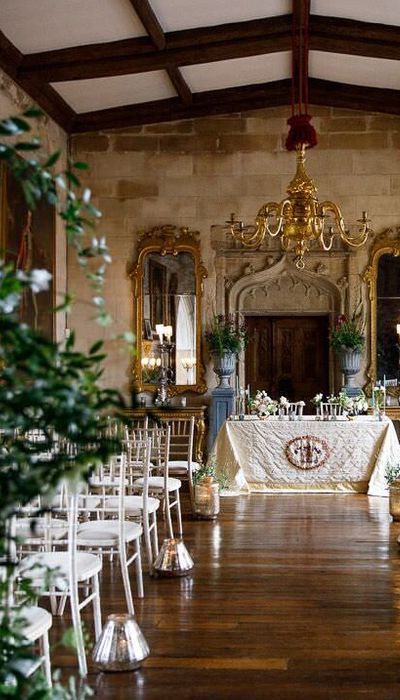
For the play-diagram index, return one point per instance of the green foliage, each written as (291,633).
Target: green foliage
(211,469)
(45,386)
(348,333)
(392,473)
(39,180)
(226,334)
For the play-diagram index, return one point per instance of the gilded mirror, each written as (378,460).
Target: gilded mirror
(168,286)
(383,278)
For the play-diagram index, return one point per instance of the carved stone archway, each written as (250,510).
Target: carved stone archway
(282,289)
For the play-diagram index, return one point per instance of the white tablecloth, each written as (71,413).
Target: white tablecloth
(258,455)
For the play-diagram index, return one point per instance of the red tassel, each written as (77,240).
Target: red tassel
(301,132)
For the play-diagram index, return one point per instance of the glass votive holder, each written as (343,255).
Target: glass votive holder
(121,645)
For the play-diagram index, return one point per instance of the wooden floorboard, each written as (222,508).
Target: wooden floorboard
(293,597)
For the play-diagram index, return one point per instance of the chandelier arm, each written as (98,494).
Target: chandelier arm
(272,208)
(355,239)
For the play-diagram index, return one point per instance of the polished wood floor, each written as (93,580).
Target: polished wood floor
(293,597)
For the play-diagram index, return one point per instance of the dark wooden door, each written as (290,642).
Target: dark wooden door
(288,355)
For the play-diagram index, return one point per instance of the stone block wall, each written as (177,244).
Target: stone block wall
(194,173)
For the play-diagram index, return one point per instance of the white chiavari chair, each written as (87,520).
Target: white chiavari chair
(68,572)
(108,530)
(34,621)
(182,462)
(161,485)
(141,506)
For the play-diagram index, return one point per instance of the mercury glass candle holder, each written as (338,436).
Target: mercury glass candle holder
(206,498)
(121,645)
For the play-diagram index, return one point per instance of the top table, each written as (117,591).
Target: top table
(308,455)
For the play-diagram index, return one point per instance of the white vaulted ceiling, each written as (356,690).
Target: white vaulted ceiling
(105,63)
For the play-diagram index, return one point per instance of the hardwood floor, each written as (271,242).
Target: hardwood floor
(293,597)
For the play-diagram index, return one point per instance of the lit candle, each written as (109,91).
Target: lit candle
(145,361)
(168,333)
(398,329)
(160,330)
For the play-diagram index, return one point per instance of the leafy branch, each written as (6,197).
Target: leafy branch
(39,180)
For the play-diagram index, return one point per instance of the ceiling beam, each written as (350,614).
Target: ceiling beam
(10,56)
(156,33)
(356,38)
(240,99)
(204,104)
(150,22)
(180,85)
(41,93)
(183,48)
(354,97)
(205,44)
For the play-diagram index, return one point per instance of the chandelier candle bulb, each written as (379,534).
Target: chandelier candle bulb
(168,333)
(160,331)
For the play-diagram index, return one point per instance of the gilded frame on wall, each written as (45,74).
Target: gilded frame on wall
(27,239)
(167,240)
(387,243)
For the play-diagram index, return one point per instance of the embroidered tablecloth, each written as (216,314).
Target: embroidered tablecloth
(307,455)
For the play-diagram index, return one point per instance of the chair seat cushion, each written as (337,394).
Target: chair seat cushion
(37,621)
(157,483)
(133,504)
(182,465)
(87,565)
(105,533)
(41,528)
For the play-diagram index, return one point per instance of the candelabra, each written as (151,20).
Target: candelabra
(165,376)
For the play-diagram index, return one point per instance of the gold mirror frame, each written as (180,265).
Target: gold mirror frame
(387,243)
(168,240)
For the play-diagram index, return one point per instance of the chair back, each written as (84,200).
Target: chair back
(328,409)
(181,438)
(293,408)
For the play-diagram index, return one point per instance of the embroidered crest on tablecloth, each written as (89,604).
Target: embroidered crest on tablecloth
(307,452)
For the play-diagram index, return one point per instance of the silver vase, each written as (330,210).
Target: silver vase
(349,363)
(121,645)
(224,366)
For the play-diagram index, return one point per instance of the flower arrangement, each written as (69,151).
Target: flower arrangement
(392,473)
(263,405)
(226,334)
(352,405)
(211,469)
(348,333)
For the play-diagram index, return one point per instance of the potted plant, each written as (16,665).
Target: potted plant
(348,341)
(208,481)
(226,338)
(392,476)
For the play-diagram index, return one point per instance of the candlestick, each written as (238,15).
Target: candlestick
(168,333)
(160,330)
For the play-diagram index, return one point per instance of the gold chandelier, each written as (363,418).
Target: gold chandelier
(300,220)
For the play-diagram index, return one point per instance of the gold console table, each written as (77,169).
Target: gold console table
(173,413)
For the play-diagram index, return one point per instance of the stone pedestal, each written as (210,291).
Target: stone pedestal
(222,406)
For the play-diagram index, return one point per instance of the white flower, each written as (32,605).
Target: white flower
(39,280)
(283,401)
(10,303)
